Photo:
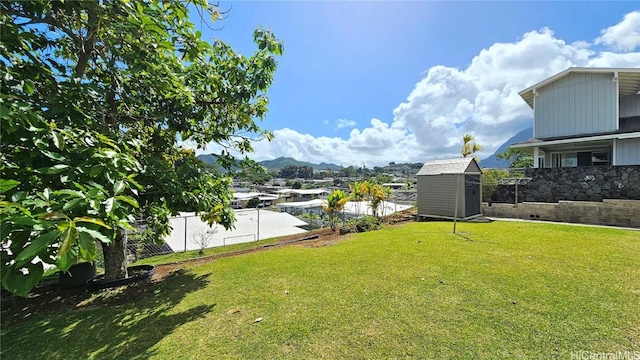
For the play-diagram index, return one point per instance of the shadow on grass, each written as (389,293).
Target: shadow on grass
(465,237)
(122,325)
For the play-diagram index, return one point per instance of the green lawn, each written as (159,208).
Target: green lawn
(505,290)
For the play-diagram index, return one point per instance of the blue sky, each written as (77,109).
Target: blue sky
(376,82)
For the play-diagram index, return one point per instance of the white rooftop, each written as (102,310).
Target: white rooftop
(251,195)
(303,204)
(303,191)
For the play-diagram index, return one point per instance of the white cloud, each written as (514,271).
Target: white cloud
(623,36)
(481,99)
(344,123)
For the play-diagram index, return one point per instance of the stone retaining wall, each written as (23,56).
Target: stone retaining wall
(587,183)
(607,212)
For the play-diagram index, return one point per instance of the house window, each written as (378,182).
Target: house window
(583,158)
(565,160)
(600,158)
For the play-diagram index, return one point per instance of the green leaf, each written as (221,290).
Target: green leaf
(53,155)
(5,229)
(129,200)
(68,238)
(71,193)
(64,261)
(123,224)
(18,196)
(118,187)
(92,220)
(108,205)
(96,170)
(94,234)
(134,183)
(58,140)
(28,87)
(87,245)
(6,185)
(56,169)
(24,220)
(72,204)
(37,245)
(19,283)
(46,194)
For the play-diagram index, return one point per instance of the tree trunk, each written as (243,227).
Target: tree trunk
(115,261)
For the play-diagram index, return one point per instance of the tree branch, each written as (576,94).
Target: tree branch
(87,43)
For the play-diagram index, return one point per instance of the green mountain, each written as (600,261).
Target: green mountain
(493,162)
(281,162)
(278,163)
(211,161)
(208,159)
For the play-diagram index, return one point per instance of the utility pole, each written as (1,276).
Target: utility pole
(455,216)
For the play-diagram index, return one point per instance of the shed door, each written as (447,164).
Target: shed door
(472,195)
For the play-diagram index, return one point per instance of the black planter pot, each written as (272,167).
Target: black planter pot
(77,275)
(140,273)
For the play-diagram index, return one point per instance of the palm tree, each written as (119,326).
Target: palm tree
(335,203)
(470,146)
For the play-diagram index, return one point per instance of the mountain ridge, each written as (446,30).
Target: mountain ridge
(278,163)
(282,161)
(492,162)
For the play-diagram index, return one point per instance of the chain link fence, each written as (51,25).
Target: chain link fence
(189,233)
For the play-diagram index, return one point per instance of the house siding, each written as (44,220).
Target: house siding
(628,152)
(576,104)
(436,196)
(630,106)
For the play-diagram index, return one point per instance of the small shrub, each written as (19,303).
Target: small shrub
(253,203)
(364,224)
(490,180)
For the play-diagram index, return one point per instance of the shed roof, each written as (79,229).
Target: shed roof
(450,166)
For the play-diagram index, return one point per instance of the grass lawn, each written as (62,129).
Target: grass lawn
(504,290)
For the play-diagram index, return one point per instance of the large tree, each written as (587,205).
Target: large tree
(97,97)
(516,158)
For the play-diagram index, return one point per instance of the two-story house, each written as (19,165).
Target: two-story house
(585,117)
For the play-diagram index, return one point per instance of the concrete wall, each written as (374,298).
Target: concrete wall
(586,183)
(576,104)
(608,212)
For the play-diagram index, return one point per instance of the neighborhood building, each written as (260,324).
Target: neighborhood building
(585,117)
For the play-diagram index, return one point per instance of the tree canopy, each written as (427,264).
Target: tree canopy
(516,158)
(97,99)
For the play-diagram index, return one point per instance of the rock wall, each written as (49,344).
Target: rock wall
(588,183)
